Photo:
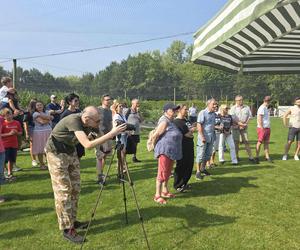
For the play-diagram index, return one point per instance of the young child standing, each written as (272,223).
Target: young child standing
(10,131)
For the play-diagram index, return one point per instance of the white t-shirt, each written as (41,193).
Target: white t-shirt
(263,110)
(3,92)
(193,111)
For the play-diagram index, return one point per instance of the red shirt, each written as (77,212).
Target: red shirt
(12,140)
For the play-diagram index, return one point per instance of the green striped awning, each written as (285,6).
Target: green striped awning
(252,36)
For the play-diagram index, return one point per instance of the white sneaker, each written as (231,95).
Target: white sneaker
(296,157)
(34,163)
(2,199)
(284,158)
(16,168)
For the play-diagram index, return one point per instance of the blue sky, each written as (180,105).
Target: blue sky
(35,27)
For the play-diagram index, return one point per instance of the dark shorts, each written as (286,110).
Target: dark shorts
(294,133)
(135,138)
(10,154)
(131,145)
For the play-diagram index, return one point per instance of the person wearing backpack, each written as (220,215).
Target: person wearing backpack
(167,149)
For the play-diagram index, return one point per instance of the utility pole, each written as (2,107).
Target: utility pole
(14,73)
(174,95)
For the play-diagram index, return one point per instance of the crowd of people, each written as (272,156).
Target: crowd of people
(219,128)
(60,131)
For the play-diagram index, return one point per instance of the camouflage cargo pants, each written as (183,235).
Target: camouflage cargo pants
(65,176)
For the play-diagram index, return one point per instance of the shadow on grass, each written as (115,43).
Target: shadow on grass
(113,182)
(30,177)
(26,197)
(18,233)
(195,218)
(253,142)
(218,186)
(278,157)
(141,171)
(229,169)
(91,186)
(17,213)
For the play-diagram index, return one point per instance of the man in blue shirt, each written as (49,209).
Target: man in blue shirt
(54,109)
(206,137)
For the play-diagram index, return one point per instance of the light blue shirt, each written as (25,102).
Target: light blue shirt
(207,120)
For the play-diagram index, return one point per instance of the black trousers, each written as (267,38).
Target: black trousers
(184,167)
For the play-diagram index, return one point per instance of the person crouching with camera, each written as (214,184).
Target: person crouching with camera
(64,166)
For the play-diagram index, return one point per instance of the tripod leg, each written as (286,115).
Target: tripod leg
(98,200)
(122,180)
(137,205)
(125,202)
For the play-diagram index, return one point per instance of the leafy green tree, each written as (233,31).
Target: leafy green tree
(175,53)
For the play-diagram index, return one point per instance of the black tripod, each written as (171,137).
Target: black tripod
(122,171)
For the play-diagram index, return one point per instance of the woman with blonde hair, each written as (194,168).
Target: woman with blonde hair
(118,118)
(226,123)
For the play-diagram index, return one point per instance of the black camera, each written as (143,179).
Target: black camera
(93,135)
(129,127)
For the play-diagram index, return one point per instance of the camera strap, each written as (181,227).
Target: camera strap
(128,113)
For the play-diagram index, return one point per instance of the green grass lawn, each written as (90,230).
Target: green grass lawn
(244,207)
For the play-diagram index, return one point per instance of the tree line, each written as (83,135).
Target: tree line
(154,75)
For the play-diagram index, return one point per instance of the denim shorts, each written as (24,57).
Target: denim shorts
(204,151)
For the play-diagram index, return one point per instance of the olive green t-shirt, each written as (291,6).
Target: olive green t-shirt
(64,133)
